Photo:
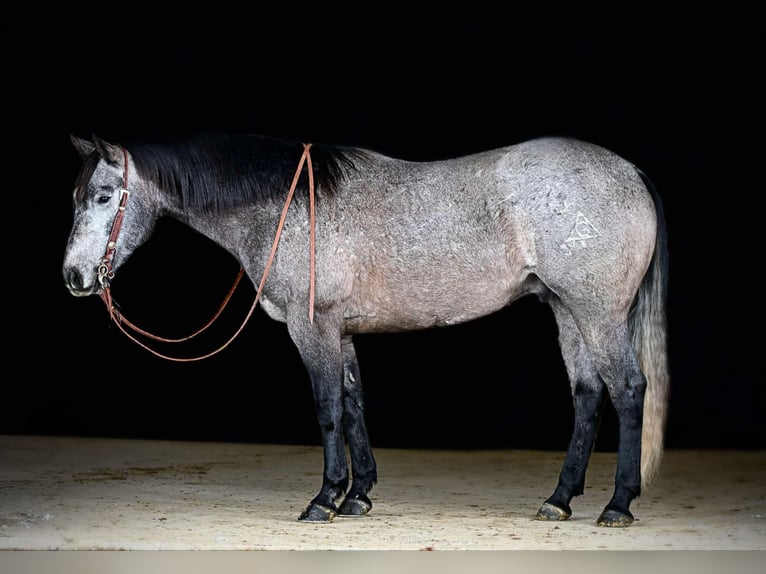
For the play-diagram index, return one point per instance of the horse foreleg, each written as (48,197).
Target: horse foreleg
(320,350)
(363,467)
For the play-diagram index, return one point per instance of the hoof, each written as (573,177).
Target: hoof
(550,512)
(317,513)
(614,519)
(359,505)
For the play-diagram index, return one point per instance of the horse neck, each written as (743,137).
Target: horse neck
(234,231)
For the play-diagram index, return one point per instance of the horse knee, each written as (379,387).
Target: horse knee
(329,414)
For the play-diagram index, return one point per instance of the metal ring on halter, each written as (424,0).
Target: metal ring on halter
(105,273)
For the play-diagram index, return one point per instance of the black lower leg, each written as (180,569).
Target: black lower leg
(628,475)
(322,507)
(588,404)
(363,467)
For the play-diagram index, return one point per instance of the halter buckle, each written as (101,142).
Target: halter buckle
(105,273)
(124,194)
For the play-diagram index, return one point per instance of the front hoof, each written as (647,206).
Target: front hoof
(359,505)
(615,519)
(550,512)
(317,513)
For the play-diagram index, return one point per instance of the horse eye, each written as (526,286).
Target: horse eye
(103,199)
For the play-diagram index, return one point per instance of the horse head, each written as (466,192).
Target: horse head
(109,220)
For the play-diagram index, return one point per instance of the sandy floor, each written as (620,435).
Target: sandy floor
(82,494)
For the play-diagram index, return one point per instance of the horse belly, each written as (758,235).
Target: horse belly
(421,299)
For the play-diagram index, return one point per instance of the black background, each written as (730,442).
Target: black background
(675,94)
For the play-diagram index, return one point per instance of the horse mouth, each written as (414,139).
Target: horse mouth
(79,292)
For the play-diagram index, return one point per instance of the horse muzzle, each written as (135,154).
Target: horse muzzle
(75,283)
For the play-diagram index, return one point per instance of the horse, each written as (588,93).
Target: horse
(354,241)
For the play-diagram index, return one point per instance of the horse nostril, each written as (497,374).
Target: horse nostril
(73,280)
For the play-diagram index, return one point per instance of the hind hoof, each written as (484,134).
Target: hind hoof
(550,512)
(317,513)
(614,519)
(359,505)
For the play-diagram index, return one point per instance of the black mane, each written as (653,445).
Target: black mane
(212,173)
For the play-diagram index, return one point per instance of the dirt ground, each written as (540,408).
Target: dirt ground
(114,494)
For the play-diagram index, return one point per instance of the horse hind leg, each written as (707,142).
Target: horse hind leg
(619,367)
(363,466)
(588,394)
(609,347)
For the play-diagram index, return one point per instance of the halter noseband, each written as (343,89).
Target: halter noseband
(105,269)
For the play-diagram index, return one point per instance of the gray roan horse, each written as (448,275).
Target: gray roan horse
(374,244)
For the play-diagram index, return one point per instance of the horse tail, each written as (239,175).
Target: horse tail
(648,327)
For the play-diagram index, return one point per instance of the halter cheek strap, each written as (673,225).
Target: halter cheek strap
(105,268)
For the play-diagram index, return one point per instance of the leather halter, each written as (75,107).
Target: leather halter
(106,270)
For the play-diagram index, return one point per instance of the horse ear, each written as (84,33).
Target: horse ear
(83,147)
(109,152)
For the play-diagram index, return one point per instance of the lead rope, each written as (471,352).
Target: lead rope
(107,298)
(106,272)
